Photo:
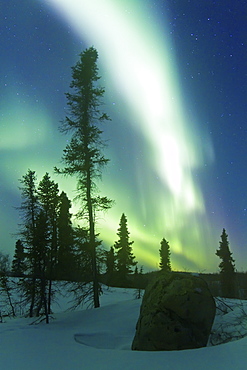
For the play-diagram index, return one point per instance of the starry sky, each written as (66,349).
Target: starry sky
(176,87)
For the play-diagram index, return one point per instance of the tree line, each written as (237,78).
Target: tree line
(50,248)
(69,259)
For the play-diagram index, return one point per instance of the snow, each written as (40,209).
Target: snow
(101,339)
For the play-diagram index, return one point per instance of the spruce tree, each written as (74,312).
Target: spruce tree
(138,281)
(18,263)
(29,210)
(41,253)
(110,261)
(165,263)
(48,197)
(125,257)
(65,259)
(227,267)
(83,156)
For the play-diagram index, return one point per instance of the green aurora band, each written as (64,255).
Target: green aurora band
(157,189)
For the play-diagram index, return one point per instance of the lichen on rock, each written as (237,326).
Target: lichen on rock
(177,312)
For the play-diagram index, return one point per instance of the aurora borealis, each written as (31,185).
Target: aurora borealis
(176,139)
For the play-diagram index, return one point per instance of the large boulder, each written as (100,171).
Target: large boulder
(177,312)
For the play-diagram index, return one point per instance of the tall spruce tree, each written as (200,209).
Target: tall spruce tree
(29,210)
(83,156)
(165,262)
(48,196)
(125,257)
(41,253)
(227,267)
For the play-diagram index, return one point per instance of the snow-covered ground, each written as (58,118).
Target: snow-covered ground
(101,339)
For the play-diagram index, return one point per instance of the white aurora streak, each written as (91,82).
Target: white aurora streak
(139,62)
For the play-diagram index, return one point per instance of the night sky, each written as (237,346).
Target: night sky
(175,74)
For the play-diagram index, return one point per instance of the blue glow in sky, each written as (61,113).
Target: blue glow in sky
(164,132)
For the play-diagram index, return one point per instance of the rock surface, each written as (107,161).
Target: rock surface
(177,312)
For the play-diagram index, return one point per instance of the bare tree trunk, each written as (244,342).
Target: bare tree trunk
(43,300)
(49,296)
(33,291)
(92,244)
(43,290)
